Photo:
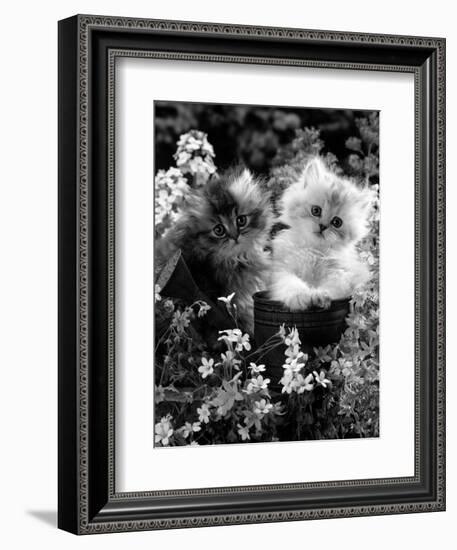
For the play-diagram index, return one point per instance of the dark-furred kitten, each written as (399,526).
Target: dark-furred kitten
(222,233)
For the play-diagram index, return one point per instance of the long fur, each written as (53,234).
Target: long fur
(313,261)
(237,261)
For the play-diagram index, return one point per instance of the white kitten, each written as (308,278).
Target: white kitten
(315,261)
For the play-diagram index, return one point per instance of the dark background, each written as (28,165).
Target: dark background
(250,134)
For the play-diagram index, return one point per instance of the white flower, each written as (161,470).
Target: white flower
(236,337)
(256,369)
(243,342)
(163,431)
(293,365)
(171,190)
(292,339)
(287,382)
(321,380)
(257,384)
(157,295)
(206,367)
(293,354)
(304,384)
(296,382)
(243,431)
(182,157)
(189,428)
(289,373)
(227,300)
(180,320)
(261,408)
(231,335)
(195,155)
(203,309)
(341,366)
(203,413)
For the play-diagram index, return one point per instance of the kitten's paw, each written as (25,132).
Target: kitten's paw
(320,299)
(299,301)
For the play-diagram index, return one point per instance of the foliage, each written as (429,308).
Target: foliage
(227,398)
(205,396)
(251,134)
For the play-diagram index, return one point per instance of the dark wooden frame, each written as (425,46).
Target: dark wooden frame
(88,46)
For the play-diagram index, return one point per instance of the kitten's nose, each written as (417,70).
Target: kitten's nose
(322,227)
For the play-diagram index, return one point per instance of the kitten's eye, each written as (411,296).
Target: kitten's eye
(316,211)
(336,222)
(219,230)
(241,221)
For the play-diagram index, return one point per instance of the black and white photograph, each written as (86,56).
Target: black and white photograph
(225,304)
(266,252)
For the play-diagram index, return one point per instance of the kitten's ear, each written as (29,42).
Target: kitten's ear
(246,176)
(313,172)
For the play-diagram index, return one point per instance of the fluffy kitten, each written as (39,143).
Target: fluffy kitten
(315,259)
(222,233)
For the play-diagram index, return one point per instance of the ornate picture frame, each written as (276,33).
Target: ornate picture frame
(88,48)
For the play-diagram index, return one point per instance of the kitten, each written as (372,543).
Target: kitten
(315,260)
(222,233)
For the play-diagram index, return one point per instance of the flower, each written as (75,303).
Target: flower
(292,339)
(171,191)
(181,320)
(243,342)
(296,382)
(194,155)
(163,431)
(324,354)
(288,382)
(341,366)
(227,300)
(261,408)
(203,413)
(236,337)
(257,384)
(243,431)
(206,367)
(304,384)
(321,380)
(230,335)
(293,354)
(256,369)
(292,368)
(189,428)
(356,320)
(157,295)
(203,309)
(226,396)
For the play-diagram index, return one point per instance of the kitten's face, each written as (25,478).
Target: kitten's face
(230,216)
(330,211)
